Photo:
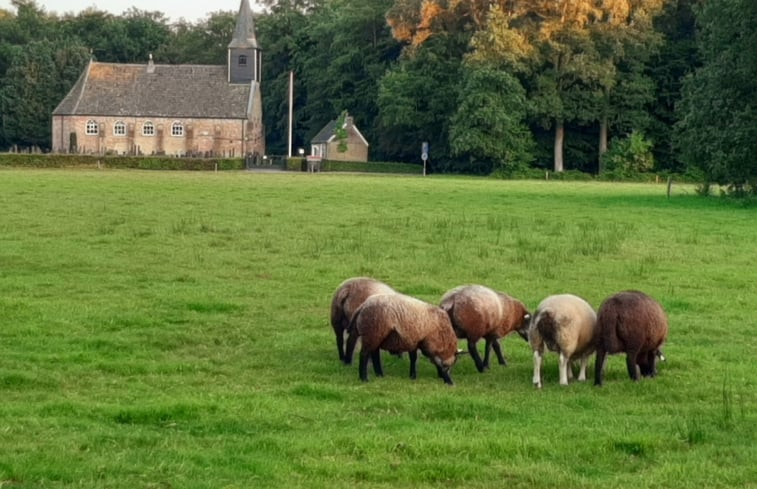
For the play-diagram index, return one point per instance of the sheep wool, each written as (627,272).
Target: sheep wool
(399,323)
(479,312)
(633,323)
(347,298)
(566,324)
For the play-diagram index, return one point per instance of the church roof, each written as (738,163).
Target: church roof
(139,90)
(244,32)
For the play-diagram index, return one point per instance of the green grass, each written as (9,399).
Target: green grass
(170,330)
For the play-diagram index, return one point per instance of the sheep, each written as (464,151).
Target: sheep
(566,324)
(479,312)
(400,323)
(347,298)
(634,323)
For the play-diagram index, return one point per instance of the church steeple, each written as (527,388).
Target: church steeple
(245,56)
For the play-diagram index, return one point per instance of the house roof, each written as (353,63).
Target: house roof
(328,133)
(244,32)
(153,90)
(325,134)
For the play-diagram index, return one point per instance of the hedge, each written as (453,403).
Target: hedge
(300,164)
(54,160)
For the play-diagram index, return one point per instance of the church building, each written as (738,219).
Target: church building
(177,110)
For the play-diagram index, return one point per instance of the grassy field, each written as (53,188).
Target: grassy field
(170,330)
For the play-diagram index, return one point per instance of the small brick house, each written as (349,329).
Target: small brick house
(325,144)
(178,110)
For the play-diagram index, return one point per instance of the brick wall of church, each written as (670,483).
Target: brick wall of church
(218,137)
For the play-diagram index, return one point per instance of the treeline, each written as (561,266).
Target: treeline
(617,86)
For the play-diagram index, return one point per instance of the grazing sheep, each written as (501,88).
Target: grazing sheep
(479,312)
(634,323)
(347,298)
(400,323)
(566,324)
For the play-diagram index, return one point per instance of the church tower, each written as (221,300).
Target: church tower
(244,68)
(244,55)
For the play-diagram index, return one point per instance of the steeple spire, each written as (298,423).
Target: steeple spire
(244,32)
(245,56)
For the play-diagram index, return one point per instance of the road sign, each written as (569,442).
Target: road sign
(424,151)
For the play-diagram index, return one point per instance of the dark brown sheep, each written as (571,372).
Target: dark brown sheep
(634,323)
(399,323)
(479,312)
(347,298)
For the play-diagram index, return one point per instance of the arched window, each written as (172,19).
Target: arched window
(92,128)
(119,128)
(177,129)
(148,129)
(242,60)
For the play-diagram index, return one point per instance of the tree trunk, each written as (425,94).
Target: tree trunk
(559,138)
(602,141)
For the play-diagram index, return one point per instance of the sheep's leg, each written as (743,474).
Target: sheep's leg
(351,342)
(582,369)
(649,369)
(497,350)
(538,357)
(599,366)
(633,368)
(487,351)
(363,367)
(413,359)
(476,357)
(340,343)
(376,358)
(564,368)
(444,372)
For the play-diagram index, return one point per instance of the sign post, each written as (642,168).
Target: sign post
(424,155)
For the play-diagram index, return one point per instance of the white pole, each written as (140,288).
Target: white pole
(291,103)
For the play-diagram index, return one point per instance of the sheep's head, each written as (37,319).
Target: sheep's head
(525,323)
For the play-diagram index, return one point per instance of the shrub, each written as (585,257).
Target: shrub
(628,157)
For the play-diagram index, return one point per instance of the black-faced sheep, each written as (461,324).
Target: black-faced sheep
(633,323)
(479,312)
(566,324)
(400,323)
(347,298)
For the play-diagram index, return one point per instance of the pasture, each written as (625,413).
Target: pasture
(170,330)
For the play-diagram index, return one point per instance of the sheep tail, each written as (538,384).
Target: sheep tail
(547,328)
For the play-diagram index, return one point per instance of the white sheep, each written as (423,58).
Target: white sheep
(479,312)
(347,298)
(565,324)
(400,323)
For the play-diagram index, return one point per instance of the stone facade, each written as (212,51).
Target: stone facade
(151,136)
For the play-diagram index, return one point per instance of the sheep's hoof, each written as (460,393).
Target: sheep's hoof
(537,385)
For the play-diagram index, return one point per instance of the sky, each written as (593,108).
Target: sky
(191,10)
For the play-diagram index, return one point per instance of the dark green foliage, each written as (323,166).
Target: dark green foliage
(717,131)
(628,156)
(417,98)
(488,128)
(38,78)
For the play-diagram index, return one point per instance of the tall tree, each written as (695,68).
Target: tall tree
(718,127)
(350,48)
(488,127)
(37,80)
(548,42)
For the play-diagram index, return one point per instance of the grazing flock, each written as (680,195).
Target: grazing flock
(371,311)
